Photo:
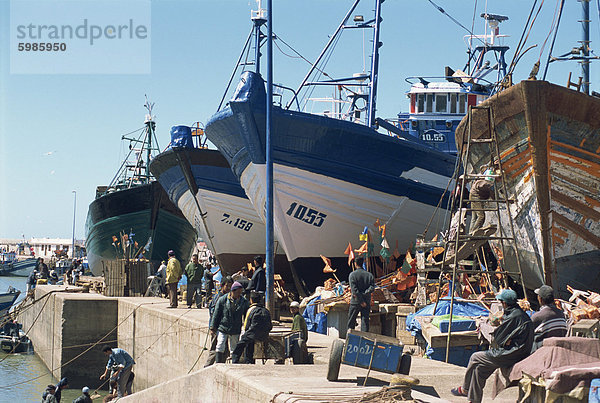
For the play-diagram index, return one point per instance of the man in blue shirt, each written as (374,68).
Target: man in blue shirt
(121,362)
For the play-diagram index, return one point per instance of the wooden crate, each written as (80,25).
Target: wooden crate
(124,278)
(401,333)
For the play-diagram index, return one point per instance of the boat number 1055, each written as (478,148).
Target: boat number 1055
(308,215)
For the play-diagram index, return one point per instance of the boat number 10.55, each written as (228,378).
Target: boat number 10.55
(238,223)
(308,215)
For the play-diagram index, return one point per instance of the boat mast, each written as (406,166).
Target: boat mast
(258,17)
(585,45)
(322,54)
(150,126)
(374,65)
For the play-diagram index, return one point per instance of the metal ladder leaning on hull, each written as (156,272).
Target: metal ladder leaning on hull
(500,198)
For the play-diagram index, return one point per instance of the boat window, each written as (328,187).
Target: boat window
(453,103)
(462,101)
(429,103)
(441,103)
(420,103)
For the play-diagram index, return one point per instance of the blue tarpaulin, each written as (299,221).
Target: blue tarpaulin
(462,307)
(458,355)
(315,322)
(181,137)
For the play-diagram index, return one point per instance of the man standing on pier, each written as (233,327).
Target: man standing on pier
(193,272)
(362,284)
(512,342)
(226,283)
(226,321)
(123,362)
(209,282)
(259,278)
(173,277)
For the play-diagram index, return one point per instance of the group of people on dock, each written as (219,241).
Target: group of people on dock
(201,279)
(47,276)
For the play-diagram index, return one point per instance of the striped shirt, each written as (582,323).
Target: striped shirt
(548,322)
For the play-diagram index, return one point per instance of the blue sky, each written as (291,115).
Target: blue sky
(194,44)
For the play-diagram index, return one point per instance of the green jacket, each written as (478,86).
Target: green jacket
(300,324)
(228,315)
(193,272)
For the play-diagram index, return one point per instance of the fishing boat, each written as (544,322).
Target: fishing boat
(7,300)
(549,138)
(133,217)
(549,143)
(200,182)
(12,337)
(334,173)
(12,264)
(438,103)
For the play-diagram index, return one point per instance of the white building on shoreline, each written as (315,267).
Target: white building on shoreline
(46,248)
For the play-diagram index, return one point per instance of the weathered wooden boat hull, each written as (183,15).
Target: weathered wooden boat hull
(549,141)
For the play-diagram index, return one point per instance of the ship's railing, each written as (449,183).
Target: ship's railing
(279,95)
(425,80)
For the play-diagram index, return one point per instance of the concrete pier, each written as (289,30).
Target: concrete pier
(168,347)
(63,325)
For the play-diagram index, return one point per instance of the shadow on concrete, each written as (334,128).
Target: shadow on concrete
(429,390)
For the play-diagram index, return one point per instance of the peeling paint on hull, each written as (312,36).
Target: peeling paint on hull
(549,141)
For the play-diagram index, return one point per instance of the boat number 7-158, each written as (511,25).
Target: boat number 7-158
(308,215)
(238,222)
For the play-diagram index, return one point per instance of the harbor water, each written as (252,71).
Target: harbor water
(24,377)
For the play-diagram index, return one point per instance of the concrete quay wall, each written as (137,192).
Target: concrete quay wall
(63,325)
(165,343)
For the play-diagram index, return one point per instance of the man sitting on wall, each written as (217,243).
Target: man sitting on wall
(512,342)
(549,321)
(257,326)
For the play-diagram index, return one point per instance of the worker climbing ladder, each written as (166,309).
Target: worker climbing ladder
(460,243)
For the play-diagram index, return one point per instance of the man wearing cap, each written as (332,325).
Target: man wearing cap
(85,396)
(512,342)
(549,321)
(226,321)
(257,326)
(299,324)
(173,276)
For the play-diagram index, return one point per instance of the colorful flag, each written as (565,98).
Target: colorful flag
(350,252)
(384,244)
(363,249)
(327,261)
(405,267)
(385,253)
(396,251)
(364,236)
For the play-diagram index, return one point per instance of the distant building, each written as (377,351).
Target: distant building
(46,248)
